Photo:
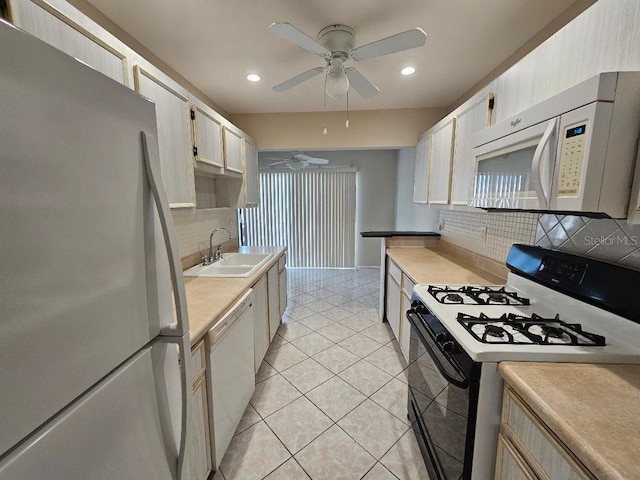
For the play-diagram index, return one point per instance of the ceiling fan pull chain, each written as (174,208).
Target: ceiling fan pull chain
(346,124)
(324,94)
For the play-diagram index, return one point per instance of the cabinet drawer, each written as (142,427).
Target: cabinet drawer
(510,465)
(282,263)
(407,285)
(546,455)
(198,361)
(394,270)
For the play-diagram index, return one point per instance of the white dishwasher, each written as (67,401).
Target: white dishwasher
(232,378)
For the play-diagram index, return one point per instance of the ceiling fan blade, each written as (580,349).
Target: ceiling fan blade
(278,163)
(301,157)
(364,87)
(396,43)
(291,33)
(298,79)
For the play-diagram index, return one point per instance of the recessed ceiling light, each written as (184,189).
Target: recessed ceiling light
(252,77)
(408,71)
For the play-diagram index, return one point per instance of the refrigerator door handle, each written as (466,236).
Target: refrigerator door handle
(151,162)
(178,333)
(184,344)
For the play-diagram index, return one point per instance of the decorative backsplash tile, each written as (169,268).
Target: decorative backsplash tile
(613,241)
(193,228)
(492,234)
(489,234)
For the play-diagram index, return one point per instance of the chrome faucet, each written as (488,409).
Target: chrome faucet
(214,257)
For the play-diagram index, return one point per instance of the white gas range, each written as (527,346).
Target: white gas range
(555,307)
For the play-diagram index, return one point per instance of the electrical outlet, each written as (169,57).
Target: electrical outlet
(441,225)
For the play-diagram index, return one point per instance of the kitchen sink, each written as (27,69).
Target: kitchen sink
(231,265)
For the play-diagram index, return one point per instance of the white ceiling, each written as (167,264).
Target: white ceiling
(215,43)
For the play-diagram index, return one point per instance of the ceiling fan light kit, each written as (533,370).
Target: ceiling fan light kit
(336,45)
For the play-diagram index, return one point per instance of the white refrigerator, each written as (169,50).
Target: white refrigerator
(93,353)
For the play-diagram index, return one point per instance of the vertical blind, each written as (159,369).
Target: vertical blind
(312,212)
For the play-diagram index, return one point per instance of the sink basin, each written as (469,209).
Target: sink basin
(231,265)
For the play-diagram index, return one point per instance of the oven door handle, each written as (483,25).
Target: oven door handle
(464,384)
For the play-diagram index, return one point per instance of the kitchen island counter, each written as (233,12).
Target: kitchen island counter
(209,298)
(593,409)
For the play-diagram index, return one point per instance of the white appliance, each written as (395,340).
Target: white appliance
(573,152)
(555,307)
(230,364)
(93,357)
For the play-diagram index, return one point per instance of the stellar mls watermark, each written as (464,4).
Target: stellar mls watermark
(611,241)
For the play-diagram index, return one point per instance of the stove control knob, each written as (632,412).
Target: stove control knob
(450,347)
(442,338)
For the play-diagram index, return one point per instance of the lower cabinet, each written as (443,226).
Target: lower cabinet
(282,271)
(392,296)
(273,290)
(199,453)
(398,288)
(261,321)
(527,449)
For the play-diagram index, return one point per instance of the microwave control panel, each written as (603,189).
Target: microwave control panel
(571,159)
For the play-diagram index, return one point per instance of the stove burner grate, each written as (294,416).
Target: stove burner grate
(533,330)
(476,295)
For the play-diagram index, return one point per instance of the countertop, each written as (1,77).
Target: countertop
(209,298)
(593,409)
(393,233)
(433,265)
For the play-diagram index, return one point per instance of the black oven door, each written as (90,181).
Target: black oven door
(443,397)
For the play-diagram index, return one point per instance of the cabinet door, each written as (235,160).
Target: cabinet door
(199,455)
(261,321)
(251,183)
(207,132)
(273,287)
(173,116)
(421,180)
(393,305)
(440,165)
(64,27)
(233,159)
(471,120)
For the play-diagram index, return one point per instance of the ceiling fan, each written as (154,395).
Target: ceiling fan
(336,45)
(298,160)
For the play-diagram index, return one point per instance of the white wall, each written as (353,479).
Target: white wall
(375,193)
(409,215)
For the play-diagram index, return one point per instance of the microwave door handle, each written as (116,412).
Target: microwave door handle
(537,164)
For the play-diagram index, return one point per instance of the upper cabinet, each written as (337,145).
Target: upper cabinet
(474,115)
(233,153)
(173,116)
(440,165)
(205,161)
(445,166)
(421,181)
(207,138)
(62,26)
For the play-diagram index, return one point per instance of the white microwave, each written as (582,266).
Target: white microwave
(574,152)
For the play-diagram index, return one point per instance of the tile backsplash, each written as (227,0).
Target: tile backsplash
(613,241)
(193,228)
(492,234)
(489,234)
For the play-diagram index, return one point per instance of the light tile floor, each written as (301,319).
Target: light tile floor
(331,396)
